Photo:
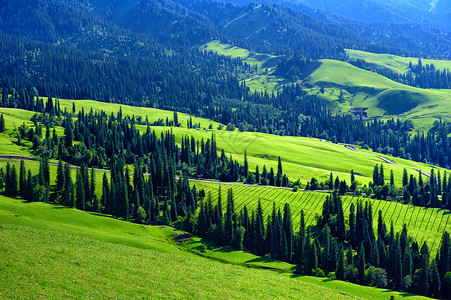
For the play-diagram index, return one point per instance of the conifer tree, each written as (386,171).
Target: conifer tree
(361,263)
(288,230)
(228,222)
(435,284)
(80,191)
(60,182)
(246,166)
(173,209)
(381,177)
(405,178)
(376,175)
(257,175)
(444,255)
(22,179)
(331,181)
(2,123)
(340,265)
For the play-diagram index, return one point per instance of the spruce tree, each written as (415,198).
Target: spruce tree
(340,273)
(405,178)
(376,175)
(80,191)
(288,230)
(228,222)
(381,177)
(22,179)
(2,123)
(361,263)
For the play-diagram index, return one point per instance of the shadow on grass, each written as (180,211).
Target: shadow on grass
(402,294)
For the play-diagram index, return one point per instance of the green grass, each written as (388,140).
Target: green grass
(261,60)
(423,224)
(153,114)
(33,166)
(382,96)
(52,252)
(347,86)
(395,63)
(263,78)
(302,158)
(14,118)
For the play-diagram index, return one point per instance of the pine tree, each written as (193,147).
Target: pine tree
(361,263)
(60,183)
(340,273)
(80,191)
(246,166)
(444,255)
(288,230)
(22,179)
(92,186)
(381,176)
(376,175)
(435,284)
(331,181)
(341,229)
(228,222)
(257,175)
(392,178)
(2,123)
(173,209)
(405,178)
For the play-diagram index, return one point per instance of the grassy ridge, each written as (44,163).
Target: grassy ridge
(424,224)
(263,78)
(346,86)
(52,252)
(395,63)
(303,158)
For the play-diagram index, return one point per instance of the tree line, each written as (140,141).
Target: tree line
(350,251)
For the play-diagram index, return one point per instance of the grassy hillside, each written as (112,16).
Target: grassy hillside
(393,62)
(153,114)
(261,78)
(303,158)
(423,224)
(52,252)
(347,86)
(261,60)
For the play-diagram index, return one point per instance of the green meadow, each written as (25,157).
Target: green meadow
(395,63)
(262,79)
(50,251)
(302,158)
(346,86)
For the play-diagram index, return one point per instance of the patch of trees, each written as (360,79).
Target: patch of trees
(350,251)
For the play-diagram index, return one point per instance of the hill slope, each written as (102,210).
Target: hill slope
(53,251)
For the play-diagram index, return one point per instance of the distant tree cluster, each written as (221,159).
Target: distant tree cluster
(423,76)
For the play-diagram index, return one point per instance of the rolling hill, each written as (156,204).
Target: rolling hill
(53,251)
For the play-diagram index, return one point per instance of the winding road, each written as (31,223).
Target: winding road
(352,148)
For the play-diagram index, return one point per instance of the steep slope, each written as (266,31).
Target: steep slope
(162,19)
(53,251)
